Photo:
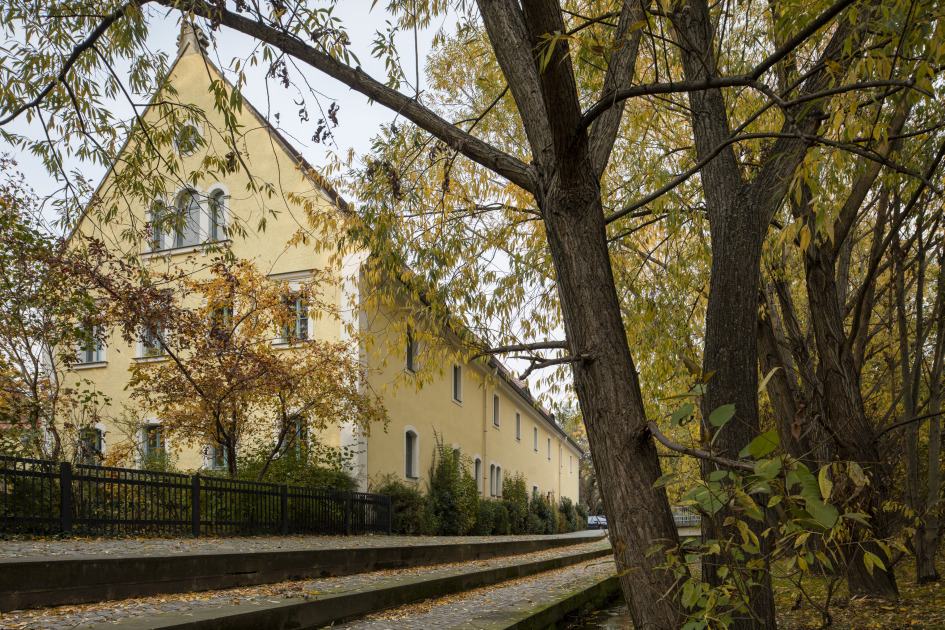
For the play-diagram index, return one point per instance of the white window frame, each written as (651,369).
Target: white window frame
(142,349)
(549,449)
(496,411)
(478,472)
(144,450)
(100,356)
(410,352)
(518,426)
(102,432)
(412,475)
(456,393)
(535,437)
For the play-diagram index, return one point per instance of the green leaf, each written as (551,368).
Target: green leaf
(767,469)
(764,444)
(826,485)
(823,513)
(856,516)
(721,415)
(683,412)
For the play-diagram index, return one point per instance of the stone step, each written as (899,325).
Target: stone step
(319,608)
(54,581)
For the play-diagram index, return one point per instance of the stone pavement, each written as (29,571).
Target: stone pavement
(169,546)
(80,616)
(487,606)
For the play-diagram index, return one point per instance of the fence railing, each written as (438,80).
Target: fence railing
(684,517)
(43,497)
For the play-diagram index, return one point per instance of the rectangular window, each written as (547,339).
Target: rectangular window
(297,328)
(218,458)
(151,344)
(92,351)
(495,410)
(570,463)
(518,426)
(153,440)
(458,383)
(296,435)
(411,353)
(90,446)
(535,438)
(549,449)
(221,323)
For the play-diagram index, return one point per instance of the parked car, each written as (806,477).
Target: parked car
(597,522)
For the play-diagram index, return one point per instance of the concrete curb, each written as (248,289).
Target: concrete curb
(592,594)
(299,614)
(80,580)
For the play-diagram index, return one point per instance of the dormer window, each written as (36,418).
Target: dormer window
(187,140)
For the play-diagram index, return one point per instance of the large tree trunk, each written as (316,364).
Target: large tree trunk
(852,434)
(731,357)
(625,456)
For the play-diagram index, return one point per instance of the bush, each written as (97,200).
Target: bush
(500,521)
(569,521)
(411,511)
(515,500)
(485,518)
(542,515)
(582,512)
(316,466)
(453,491)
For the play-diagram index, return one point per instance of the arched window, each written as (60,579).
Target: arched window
(157,226)
(411,452)
(188,209)
(91,445)
(491,480)
(498,481)
(219,227)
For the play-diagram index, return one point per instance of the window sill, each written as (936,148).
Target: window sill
(411,479)
(458,402)
(187,249)
(496,426)
(295,343)
(157,359)
(89,366)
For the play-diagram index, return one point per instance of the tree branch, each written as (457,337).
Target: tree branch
(475,149)
(697,452)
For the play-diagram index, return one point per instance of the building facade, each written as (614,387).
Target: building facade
(476,406)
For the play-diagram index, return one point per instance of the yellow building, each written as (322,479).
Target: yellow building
(476,406)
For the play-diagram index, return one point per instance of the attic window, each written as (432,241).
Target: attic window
(187,140)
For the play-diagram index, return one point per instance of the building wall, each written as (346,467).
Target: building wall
(427,410)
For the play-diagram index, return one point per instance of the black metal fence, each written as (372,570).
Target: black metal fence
(43,497)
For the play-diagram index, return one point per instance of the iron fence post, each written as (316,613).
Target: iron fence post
(390,515)
(195,504)
(65,497)
(284,508)
(347,513)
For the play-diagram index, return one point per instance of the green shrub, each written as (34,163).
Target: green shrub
(485,518)
(568,521)
(453,491)
(500,520)
(515,499)
(582,512)
(315,466)
(411,510)
(542,515)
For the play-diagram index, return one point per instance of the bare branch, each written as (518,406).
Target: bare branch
(697,452)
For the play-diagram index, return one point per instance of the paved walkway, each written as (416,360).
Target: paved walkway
(485,606)
(78,616)
(170,546)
